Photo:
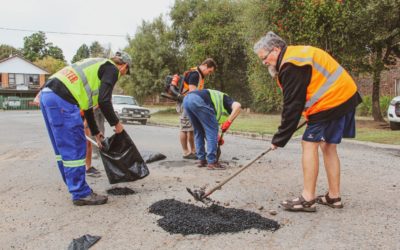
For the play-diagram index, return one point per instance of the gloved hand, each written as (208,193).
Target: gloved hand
(225,126)
(220,140)
(180,98)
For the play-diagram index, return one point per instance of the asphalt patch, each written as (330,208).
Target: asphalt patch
(182,218)
(120,191)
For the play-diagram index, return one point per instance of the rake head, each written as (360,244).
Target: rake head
(199,195)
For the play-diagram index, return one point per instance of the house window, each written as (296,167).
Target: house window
(11,79)
(32,79)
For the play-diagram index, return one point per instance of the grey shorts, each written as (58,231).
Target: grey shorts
(185,124)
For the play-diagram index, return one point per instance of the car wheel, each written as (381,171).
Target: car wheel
(395,125)
(143,122)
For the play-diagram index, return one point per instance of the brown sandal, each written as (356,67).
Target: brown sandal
(332,202)
(299,204)
(216,166)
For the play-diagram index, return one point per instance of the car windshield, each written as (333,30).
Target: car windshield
(124,100)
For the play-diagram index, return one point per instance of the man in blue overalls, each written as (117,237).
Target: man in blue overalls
(82,85)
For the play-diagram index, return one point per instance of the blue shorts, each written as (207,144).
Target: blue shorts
(331,131)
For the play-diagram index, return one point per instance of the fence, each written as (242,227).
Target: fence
(17,103)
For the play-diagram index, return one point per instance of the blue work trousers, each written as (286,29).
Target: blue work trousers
(202,117)
(65,127)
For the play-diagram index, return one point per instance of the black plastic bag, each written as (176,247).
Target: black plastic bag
(84,242)
(121,159)
(149,157)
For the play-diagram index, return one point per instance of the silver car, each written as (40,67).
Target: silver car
(127,109)
(394,113)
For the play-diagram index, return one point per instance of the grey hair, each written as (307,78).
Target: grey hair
(268,42)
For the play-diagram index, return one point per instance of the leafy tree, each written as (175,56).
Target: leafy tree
(96,50)
(212,29)
(55,52)
(35,47)
(7,50)
(51,64)
(153,57)
(82,53)
(379,31)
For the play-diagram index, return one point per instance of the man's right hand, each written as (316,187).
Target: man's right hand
(118,128)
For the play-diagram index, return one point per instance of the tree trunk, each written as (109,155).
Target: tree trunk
(376,109)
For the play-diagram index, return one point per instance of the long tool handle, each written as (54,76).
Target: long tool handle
(238,172)
(243,168)
(91,140)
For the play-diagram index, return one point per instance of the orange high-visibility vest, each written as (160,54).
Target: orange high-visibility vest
(200,86)
(330,84)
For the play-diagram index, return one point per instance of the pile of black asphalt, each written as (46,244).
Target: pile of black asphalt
(182,218)
(120,191)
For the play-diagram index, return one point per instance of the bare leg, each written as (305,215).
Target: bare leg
(88,148)
(191,142)
(332,167)
(184,138)
(310,163)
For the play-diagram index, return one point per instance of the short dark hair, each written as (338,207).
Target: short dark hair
(210,63)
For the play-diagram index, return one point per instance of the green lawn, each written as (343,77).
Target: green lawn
(367,130)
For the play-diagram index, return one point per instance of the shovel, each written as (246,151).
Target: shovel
(201,195)
(219,146)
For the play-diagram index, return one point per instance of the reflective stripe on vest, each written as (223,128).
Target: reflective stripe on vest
(79,69)
(330,78)
(330,84)
(82,80)
(217,97)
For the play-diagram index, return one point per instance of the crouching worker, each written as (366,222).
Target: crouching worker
(206,109)
(80,86)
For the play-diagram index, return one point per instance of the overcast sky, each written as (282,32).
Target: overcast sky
(118,17)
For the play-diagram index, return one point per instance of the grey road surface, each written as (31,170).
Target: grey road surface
(36,211)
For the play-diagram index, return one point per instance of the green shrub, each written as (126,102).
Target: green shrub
(365,108)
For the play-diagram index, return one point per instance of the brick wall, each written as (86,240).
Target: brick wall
(4,80)
(388,79)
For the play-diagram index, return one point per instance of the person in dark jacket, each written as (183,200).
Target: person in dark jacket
(315,85)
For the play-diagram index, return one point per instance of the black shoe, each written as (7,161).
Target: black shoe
(93,172)
(91,199)
(190,156)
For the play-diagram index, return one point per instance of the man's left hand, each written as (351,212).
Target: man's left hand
(118,128)
(220,140)
(99,140)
